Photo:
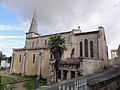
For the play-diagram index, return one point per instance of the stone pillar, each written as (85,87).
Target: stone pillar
(24,62)
(68,75)
(39,65)
(102,46)
(76,73)
(12,62)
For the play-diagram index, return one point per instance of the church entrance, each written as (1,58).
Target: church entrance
(59,74)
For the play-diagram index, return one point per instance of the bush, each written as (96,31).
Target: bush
(31,84)
(1,87)
(2,69)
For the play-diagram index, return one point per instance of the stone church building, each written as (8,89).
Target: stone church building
(87,53)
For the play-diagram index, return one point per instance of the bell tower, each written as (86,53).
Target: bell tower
(33,28)
(32,34)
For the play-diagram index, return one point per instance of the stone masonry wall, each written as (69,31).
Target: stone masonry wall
(91,66)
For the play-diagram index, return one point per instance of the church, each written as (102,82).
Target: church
(87,53)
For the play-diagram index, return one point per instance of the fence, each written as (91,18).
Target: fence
(78,85)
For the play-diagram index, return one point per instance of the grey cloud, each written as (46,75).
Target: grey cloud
(59,15)
(54,12)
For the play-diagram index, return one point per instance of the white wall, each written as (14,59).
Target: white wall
(4,64)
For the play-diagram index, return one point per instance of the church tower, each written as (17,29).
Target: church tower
(33,28)
(32,34)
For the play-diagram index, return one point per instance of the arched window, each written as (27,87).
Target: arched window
(45,42)
(20,58)
(91,49)
(81,49)
(33,58)
(72,53)
(86,47)
(32,44)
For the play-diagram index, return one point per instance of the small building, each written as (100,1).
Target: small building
(116,60)
(113,53)
(5,64)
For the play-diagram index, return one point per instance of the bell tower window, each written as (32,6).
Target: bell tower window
(91,49)
(81,49)
(86,47)
(32,44)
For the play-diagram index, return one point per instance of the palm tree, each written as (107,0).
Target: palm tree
(57,46)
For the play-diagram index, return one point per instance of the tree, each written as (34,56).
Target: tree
(0,60)
(57,46)
(9,59)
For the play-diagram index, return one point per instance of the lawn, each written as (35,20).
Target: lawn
(31,84)
(5,80)
(19,77)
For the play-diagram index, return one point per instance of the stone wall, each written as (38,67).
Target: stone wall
(111,83)
(17,66)
(90,37)
(27,66)
(89,66)
(108,80)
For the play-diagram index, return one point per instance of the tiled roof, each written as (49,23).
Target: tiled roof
(56,33)
(70,61)
(114,50)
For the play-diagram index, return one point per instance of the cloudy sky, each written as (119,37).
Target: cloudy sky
(56,16)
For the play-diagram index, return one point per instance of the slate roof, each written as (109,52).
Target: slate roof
(84,33)
(17,49)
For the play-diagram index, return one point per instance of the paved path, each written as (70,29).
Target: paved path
(19,86)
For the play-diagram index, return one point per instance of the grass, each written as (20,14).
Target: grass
(31,84)
(20,77)
(5,80)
